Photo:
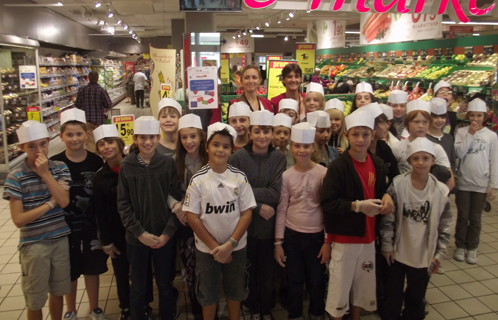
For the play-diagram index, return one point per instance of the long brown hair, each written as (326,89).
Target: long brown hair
(181,153)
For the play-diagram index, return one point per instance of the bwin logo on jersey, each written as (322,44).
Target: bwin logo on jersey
(229,207)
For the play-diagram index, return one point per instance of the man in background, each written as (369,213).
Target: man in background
(139,80)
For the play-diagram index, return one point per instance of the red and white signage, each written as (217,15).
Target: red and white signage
(330,34)
(389,27)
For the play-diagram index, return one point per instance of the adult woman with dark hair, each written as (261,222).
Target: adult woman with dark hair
(292,76)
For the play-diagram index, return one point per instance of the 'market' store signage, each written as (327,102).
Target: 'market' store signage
(379,6)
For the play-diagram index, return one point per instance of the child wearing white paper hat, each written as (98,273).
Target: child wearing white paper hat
(263,166)
(350,200)
(476,147)
(219,203)
(169,112)
(290,108)
(239,119)
(417,123)
(321,121)
(148,198)
(415,237)
(397,101)
(444,90)
(282,125)
(363,95)
(80,214)
(37,190)
(436,132)
(335,109)
(314,99)
(300,244)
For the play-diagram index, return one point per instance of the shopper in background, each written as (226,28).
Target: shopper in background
(343,87)
(139,78)
(444,90)
(85,249)
(363,96)
(476,146)
(130,87)
(317,79)
(335,109)
(37,190)
(300,243)
(292,76)
(398,100)
(95,101)
(148,198)
(263,166)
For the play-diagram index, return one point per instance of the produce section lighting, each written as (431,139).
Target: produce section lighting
(257,35)
(352,32)
(97,4)
(476,34)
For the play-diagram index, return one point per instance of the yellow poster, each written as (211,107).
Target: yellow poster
(305,56)
(125,127)
(268,58)
(165,90)
(163,70)
(33,113)
(275,85)
(146,56)
(225,68)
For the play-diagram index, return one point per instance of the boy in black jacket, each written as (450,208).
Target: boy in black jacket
(350,200)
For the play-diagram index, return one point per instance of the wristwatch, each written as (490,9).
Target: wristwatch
(234,242)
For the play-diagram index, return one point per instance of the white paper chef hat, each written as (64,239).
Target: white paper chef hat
(146,125)
(418,104)
(281,119)
(334,104)
(190,121)
(218,126)
(31,130)
(73,114)
(388,111)
(261,118)
(314,87)
(438,106)
(168,102)
(420,144)
(303,133)
(288,104)
(477,105)
(106,131)
(239,109)
(373,109)
(398,96)
(317,69)
(441,84)
(318,119)
(360,118)
(364,87)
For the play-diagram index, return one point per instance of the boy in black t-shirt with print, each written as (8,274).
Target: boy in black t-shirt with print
(85,249)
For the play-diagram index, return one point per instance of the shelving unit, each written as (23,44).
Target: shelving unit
(111,77)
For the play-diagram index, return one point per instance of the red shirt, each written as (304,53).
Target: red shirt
(366,172)
(276,100)
(216,113)
(116,168)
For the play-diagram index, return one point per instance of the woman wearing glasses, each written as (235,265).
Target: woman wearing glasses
(444,90)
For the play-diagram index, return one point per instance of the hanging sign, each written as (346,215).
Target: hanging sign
(275,85)
(165,90)
(305,56)
(130,66)
(237,45)
(203,87)
(329,33)
(33,113)
(125,127)
(225,68)
(27,77)
(146,56)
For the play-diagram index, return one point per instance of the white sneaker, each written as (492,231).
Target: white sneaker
(459,254)
(471,256)
(97,314)
(70,315)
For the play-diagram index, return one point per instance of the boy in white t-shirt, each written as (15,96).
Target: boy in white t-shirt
(219,203)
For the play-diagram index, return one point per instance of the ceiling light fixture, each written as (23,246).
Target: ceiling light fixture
(125,26)
(287,19)
(291,14)
(119,21)
(257,35)
(286,38)
(257,27)
(97,4)
(59,3)
(352,32)
(250,30)
(234,36)
(110,15)
(267,23)
(476,34)
(244,32)
(308,11)
(238,35)
(130,32)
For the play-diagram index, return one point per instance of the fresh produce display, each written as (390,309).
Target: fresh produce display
(348,105)
(333,71)
(399,71)
(362,72)
(376,26)
(471,78)
(480,60)
(261,90)
(345,73)
(325,69)
(433,72)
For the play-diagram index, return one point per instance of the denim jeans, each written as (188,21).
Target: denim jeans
(260,255)
(139,257)
(303,265)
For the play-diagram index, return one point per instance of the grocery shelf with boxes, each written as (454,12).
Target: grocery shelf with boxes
(111,77)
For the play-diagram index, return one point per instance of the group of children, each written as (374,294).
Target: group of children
(305,191)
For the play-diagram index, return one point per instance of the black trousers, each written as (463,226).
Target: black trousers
(139,94)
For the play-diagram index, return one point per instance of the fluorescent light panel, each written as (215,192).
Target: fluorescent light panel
(257,35)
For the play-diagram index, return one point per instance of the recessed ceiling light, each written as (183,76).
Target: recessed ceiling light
(130,32)
(110,15)
(267,24)
(286,38)
(125,27)
(97,4)
(119,21)
(291,14)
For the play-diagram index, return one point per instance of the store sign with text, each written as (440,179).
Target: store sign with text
(399,6)
(237,45)
(225,68)
(125,126)
(27,77)
(329,33)
(275,85)
(305,56)
(378,28)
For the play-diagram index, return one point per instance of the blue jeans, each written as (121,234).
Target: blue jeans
(302,264)
(139,257)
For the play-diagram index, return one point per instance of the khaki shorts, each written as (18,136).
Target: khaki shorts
(45,269)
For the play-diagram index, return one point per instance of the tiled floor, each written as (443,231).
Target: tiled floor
(463,292)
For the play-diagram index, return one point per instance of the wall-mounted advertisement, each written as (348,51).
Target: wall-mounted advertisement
(378,28)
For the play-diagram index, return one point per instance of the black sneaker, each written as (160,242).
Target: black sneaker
(125,314)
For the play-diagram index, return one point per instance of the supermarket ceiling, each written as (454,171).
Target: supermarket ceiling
(152,18)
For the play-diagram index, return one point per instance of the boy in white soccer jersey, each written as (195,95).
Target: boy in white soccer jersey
(219,203)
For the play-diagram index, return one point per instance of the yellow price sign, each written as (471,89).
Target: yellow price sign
(305,56)
(268,58)
(125,127)
(33,113)
(225,68)
(146,56)
(165,90)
